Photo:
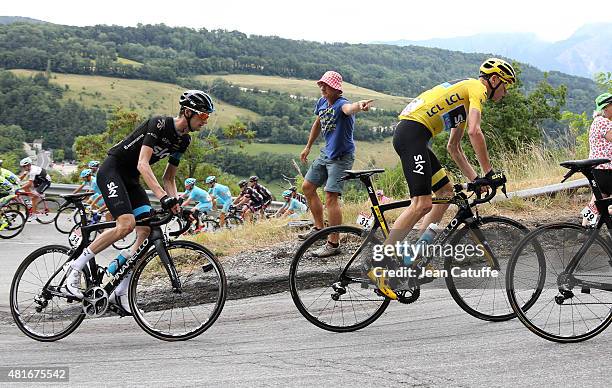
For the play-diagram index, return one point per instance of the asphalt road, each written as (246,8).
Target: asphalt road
(264,341)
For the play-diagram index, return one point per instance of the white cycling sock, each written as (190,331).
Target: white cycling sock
(82,260)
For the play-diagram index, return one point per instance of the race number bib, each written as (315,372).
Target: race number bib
(75,238)
(589,216)
(365,220)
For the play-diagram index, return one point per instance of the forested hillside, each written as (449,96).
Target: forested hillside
(163,53)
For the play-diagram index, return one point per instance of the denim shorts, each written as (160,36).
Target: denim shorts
(325,171)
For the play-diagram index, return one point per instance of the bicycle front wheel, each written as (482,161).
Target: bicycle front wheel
(37,310)
(176,315)
(12,223)
(331,289)
(232,222)
(479,249)
(565,309)
(46,210)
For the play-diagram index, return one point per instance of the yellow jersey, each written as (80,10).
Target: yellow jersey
(447,105)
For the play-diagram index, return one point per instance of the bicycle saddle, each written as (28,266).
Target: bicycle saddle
(583,164)
(78,197)
(356,174)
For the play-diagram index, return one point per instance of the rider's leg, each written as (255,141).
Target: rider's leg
(442,187)
(419,207)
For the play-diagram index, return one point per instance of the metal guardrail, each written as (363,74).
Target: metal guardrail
(61,188)
(58,189)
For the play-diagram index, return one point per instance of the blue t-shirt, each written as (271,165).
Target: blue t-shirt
(296,206)
(196,194)
(221,192)
(337,127)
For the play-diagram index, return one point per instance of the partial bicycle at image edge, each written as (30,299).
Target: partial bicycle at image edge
(565,269)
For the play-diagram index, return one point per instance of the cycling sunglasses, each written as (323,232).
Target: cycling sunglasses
(201,115)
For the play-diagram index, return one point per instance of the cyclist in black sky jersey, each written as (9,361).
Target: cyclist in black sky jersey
(128,160)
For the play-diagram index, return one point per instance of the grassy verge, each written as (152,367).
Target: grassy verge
(536,167)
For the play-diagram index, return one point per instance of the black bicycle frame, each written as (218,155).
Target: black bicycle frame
(602,205)
(95,273)
(464,215)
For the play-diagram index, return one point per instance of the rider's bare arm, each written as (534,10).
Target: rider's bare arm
(478,140)
(169,181)
(457,154)
(147,173)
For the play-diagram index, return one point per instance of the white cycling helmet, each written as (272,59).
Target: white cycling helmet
(25,161)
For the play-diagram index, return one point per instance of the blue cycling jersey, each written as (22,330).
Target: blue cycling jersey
(221,192)
(296,206)
(196,194)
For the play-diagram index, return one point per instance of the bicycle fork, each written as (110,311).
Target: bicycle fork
(162,251)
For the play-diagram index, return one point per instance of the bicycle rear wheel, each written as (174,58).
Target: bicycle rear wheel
(175,316)
(562,311)
(39,313)
(12,223)
(46,210)
(478,292)
(327,295)
(66,218)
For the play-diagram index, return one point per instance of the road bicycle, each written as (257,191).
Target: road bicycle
(565,269)
(12,221)
(45,209)
(177,290)
(335,294)
(68,215)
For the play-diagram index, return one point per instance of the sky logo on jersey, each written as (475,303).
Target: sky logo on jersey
(419,164)
(112,190)
(160,152)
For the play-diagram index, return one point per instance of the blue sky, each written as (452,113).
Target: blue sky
(355,21)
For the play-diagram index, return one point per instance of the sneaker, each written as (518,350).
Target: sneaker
(327,250)
(120,301)
(306,235)
(73,281)
(32,217)
(382,282)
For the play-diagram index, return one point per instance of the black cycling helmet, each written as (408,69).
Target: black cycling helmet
(254,178)
(242,183)
(196,100)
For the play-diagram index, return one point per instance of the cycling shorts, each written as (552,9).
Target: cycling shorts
(204,206)
(41,185)
(122,192)
(226,206)
(421,167)
(254,206)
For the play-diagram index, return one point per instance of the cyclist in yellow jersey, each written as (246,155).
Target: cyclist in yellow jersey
(452,106)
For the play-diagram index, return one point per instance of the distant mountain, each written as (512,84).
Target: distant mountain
(587,51)
(20,19)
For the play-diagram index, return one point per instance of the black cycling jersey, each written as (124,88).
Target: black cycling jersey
(263,191)
(252,195)
(158,133)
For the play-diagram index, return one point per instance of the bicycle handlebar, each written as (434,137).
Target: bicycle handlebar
(476,187)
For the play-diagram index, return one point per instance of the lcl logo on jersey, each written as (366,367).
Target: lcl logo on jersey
(418,164)
(112,190)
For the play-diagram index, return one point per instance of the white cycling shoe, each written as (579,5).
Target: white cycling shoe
(121,301)
(73,281)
